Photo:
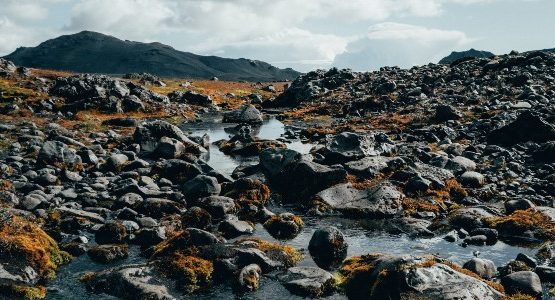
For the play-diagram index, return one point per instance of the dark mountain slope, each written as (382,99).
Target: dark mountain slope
(91,52)
(472,53)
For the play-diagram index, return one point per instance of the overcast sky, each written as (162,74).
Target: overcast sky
(302,34)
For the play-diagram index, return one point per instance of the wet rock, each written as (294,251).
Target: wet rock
(302,179)
(246,114)
(284,225)
(201,186)
(149,236)
(218,206)
(108,253)
(380,201)
(525,282)
(407,279)
(527,127)
(129,282)
(196,217)
(232,227)
(518,204)
(483,267)
(274,160)
(308,281)
(111,233)
(546,273)
(158,207)
(328,247)
(249,278)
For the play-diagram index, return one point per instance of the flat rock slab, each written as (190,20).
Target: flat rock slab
(380,201)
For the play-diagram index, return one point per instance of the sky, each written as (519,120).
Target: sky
(302,34)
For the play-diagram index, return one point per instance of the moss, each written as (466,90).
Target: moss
(412,206)
(23,239)
(356,269)
(284,253)
(284,226)
(88,276)
(524,220)
(520,296)
(192,273)
(451,190)
(23,292)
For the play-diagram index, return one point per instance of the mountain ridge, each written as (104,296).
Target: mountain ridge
(81,52)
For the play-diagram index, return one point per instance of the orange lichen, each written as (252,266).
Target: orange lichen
(25,240)
(285,253)
(23,292)
(192,273)
(412,206)
(523,220)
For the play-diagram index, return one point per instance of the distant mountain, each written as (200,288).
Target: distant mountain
(472,53)
(92,52)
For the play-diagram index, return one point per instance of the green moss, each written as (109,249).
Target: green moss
(23,292)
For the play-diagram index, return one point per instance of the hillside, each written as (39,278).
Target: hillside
(92,52)
(472,53)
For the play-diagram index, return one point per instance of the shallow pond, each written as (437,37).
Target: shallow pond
(361,238)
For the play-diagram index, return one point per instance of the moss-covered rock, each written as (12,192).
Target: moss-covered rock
(29,256)
(284,226)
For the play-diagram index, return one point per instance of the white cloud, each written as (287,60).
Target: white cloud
(278,31)
(396,44)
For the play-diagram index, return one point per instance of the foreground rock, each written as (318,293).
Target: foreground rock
(377,276)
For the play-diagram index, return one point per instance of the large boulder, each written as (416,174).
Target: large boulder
(525,282)
(191,97)
(382,200)
(308,281)
(349,146)
(379,276)
(299,180)
(149,134)
(129,282)
(245,114)
(527,127)
(274,160)
(327,247)
(58,154)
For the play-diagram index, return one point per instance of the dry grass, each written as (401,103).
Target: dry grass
(50,74)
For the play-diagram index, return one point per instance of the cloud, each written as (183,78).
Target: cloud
(279,31)
(396,44)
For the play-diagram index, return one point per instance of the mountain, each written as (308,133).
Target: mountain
(92,52)
(472,53)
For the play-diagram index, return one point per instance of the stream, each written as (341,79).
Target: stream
(362,236)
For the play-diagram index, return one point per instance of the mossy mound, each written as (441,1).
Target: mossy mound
(288,255)
(522,222)
(24,244)
(284,226)
(191,273)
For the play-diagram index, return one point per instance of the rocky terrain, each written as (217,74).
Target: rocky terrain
(434,182)
(81,52)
